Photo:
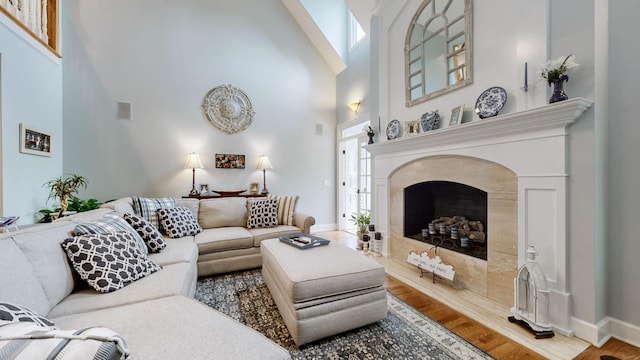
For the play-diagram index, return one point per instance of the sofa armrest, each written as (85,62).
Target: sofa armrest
(304,222)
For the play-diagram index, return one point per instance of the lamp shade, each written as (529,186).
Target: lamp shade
(264,163)
(193,161)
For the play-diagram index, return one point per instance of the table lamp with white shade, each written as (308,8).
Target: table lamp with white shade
(264,164)
(193,162)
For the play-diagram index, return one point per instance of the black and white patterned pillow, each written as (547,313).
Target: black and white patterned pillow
(110,223)
(178,222)
(108,262)
(263,213)
(148,207)
(16,313)
(150,235)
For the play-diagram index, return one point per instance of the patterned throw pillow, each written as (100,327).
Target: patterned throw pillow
(150,235)
(179,222)
(15,313)
(286,209)
(108,262)
(263,213)
(110,223)
(147,208)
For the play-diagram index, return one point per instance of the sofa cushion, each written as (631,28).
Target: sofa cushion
(147,208)
(16,313)
(221,239)
(108,262)
(181,250)
(174,279)
(178,222)
(19,283)
(269,233)
(263,213)
(190,203)
(41,246)
(286,209)
(110,223)
(230,211)
(30,341)
(121,206)
(149,234)
(176,328)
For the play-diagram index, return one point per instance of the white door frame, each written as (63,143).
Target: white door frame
(360,121)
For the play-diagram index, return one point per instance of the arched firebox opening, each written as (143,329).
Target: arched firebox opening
(448,214)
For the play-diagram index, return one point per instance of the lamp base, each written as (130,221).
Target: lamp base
(194,192)
(264,191)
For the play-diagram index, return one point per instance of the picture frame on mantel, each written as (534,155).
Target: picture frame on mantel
(456,115)
(34,141)
(411,127)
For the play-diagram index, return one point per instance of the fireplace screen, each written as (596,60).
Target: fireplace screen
(448,214)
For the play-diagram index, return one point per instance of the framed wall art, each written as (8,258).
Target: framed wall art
(34,141)
(229,161)
(456,115)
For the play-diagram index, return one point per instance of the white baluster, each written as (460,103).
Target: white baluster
(38,23)
(23,9)
(32,17)
(45,19)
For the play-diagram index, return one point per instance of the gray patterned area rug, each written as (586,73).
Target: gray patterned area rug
(404,334)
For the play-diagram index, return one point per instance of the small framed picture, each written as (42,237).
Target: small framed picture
(229,161)
(34,141)
(411,127)
(456,115)
(204,189)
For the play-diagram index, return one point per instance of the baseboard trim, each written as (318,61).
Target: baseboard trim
(324,227)
(607,328)
(624,331)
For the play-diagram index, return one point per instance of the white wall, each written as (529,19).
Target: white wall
(163,57)
(624,187)
(30,83)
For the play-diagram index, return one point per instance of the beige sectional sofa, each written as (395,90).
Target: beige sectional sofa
(156,315)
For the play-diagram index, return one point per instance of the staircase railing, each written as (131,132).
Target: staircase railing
(37,17)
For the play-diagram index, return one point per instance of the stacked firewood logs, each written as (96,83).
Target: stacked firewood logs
(474,230)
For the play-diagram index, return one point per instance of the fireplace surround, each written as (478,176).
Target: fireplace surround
(521,161)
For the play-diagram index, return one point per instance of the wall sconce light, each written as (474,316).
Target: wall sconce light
(355,106)
(193,162)
(264,164)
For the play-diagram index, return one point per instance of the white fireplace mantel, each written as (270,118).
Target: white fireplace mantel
(517,126)
(533,144)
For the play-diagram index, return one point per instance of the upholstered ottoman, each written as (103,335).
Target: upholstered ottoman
(323,291)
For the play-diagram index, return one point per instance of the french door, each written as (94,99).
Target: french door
(355,176)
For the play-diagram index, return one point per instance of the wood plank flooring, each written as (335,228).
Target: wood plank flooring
(482,336)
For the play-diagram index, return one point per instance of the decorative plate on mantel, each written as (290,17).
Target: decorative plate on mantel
(490,102)
(393,129)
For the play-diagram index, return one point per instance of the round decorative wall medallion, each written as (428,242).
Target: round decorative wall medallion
(228,108)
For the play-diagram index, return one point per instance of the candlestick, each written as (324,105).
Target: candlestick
(526,82)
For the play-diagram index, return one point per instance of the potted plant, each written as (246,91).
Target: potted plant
(362,221)
(62,188)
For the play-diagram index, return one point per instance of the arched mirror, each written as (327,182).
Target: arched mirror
(438,49)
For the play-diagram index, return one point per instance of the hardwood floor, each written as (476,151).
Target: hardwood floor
(484,337)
